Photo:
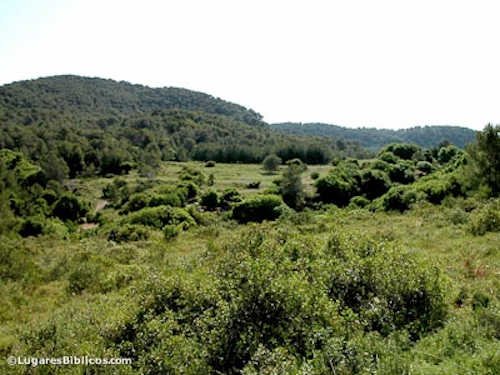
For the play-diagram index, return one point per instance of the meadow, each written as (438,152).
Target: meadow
(332,289)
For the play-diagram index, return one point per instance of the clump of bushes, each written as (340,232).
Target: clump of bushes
(485,219)
(128,232)
(401,150)
(398,198)
(253,185)
(271,163)
(258,209)
(160,216)
(69,207)
(340,185)
(210,164)
(210,200)
(229,197)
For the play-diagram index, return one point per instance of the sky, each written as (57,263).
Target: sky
(386,64)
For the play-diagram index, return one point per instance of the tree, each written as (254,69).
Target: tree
(271,163)
(291,187)
(486,155)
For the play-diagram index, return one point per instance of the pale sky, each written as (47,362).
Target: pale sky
(391,64)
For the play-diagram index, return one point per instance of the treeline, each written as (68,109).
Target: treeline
(74,126)
(374,139)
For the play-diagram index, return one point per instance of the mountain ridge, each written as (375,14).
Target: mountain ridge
(427,136)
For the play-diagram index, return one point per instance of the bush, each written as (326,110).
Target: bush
(271,163)
(340,185)
(171,231)
(127,233)
(69,207)
(402,172)
(485,219)
(192,174)
(229,197)
(160,216)
(210,164)
(401,150)
(447,153)
(258,209)
(253,185)
(314,175)
(425,167)
(32,226)
(210,200)
(374,183)
(388,157)
(297,164)
(359,201)
(399,198)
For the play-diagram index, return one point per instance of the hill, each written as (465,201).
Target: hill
(80,98)
(85,126)
(374,139)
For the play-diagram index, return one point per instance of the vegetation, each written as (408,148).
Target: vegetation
(374,139)
(385,265)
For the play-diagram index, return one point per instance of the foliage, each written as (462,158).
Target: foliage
(486,155)
(258,209)
(127,232)
(375,139)
(271,163)
(210,200)
(291,187)
(69,207)
(158,217)
(340,185)
(485,219)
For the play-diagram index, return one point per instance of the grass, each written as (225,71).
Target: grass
(471,264)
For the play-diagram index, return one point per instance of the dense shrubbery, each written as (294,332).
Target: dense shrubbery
(486,218)
(279,301)
(160,216)
(258,208)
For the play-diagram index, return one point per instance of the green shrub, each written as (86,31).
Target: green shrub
(127,233)
(210,200)
(314,175)
(425,167)
(398,198)
(340,185)
(388,157)
(160,216)
(298,164)
(210,164)
(485,219)
(171,231)
(271,163)
(447,153)
(402,172)
(359,201)
(374,183)
(192,174)
(229,197)
(31,226)
(258,208)
(253,185)
(69,207)
(404,151)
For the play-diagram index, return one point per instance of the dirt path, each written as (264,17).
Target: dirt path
(101,203)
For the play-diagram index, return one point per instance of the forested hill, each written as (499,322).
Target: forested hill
(371,138)
(81,98)
(73,126)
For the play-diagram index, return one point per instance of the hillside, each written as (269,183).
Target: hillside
(374,139)
(80,98)
(75,126)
